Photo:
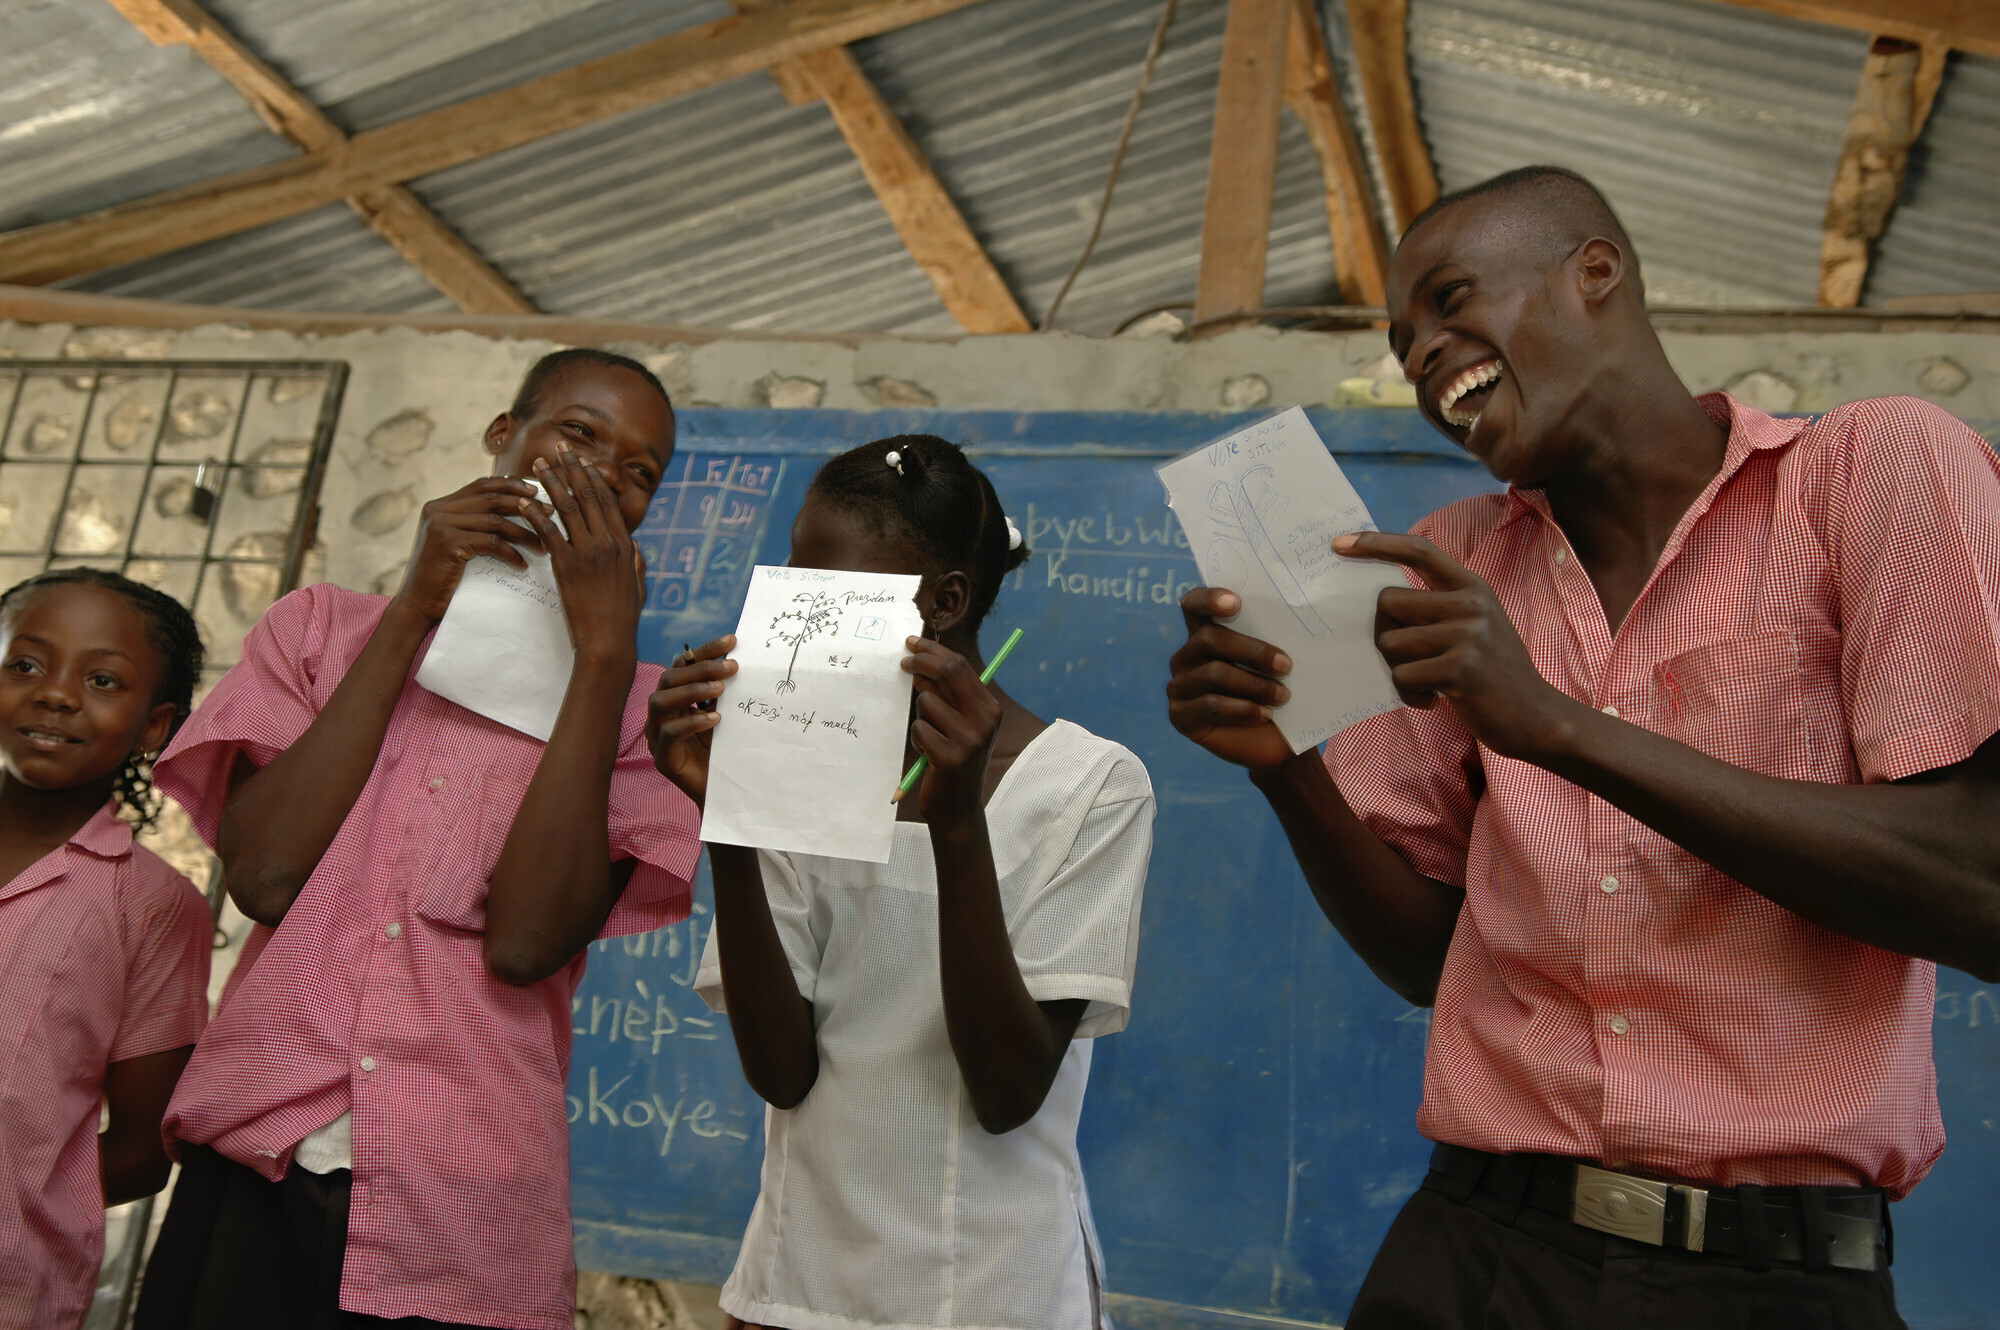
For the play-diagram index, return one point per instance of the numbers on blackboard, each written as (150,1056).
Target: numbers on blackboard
(706,521)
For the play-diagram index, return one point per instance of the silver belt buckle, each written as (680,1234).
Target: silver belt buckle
(1635,1208)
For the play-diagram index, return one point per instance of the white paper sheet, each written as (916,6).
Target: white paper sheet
(503,648)
(810,744)
(1261,509)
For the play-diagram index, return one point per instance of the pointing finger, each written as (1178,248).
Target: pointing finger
(1439,570)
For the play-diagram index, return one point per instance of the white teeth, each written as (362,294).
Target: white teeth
(1476,377)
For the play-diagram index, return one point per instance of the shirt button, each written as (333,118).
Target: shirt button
(368,1064)
(1562,555)
(1611,712)
(396,930)
(1610,884)
(437,782)
(1619,1025)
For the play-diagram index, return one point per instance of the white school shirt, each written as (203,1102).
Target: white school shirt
(884,1203)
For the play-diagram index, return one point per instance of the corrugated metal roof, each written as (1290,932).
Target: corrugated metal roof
(731,207)
(1713,129)
(1945,237)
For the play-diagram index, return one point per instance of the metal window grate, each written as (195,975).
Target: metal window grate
(198,477)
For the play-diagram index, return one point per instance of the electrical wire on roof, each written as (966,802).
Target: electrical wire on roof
(1118,157)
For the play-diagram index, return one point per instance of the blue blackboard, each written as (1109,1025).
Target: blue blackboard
(1249,1138)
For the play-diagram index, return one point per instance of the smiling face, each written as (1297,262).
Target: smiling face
(78,681)
(1489,315)
(610,416)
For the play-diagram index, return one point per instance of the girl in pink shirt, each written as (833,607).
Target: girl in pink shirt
(103,948)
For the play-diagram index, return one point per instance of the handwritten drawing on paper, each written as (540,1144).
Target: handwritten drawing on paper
(813,613)
(502,648)
(813,724)
(1261,508)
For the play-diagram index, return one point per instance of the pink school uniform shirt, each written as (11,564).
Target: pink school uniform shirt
(371,995)
(103,958)
(1825,611)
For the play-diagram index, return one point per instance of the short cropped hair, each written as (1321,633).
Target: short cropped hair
(1566,208)
(528,400)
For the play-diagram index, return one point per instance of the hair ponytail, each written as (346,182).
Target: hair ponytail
(925,488)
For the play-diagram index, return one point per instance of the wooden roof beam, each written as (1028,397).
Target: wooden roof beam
(919,207)
(1967,25)
(643,75)
(1360,255)
(1242,160)
(1899,82)
(397,215)
(1380,31)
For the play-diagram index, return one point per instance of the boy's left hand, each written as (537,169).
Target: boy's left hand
(957,720)
(597,567)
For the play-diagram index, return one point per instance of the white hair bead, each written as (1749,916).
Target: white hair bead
(895,459)
(1013,533)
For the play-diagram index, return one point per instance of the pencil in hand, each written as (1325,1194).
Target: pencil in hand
(916,771)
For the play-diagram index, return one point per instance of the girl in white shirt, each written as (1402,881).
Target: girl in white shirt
(922,1028)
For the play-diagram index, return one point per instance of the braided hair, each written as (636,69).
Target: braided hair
(935,497)
(171,630)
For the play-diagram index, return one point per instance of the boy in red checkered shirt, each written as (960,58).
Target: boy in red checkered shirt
(1697,782)
(374,1125)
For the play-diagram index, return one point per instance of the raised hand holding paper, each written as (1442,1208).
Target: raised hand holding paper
(814,722)
(502,648)
(1261,509)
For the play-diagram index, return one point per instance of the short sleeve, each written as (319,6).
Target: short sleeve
(1412,776)
(791,911)
(1914,529)
(168,940)
(261,707)
(656,826)
(1076,934)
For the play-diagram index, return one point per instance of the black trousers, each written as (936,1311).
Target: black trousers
(240,1252)
(1452,1266)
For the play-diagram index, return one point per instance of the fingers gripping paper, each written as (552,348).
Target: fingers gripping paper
(1261,509)
(813,724)
(502,648)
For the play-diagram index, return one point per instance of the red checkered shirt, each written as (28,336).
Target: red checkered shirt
(372,996)
(103,958)
(1825,611)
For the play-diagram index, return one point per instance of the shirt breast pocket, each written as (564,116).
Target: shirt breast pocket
(1768,702)
(467,833)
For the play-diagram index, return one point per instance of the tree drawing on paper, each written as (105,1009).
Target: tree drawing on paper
(1245,512)
(817,616)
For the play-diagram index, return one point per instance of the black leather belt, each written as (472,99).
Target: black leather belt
(1844,1228)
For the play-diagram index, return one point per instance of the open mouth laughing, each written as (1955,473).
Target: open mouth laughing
(1465,394)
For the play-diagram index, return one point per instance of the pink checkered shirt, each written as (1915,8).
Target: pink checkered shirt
(103,958)
(371,995)
(1825,611)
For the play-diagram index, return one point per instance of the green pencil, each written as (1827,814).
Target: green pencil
(916,771)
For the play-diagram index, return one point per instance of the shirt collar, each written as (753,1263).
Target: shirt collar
(1750,431)
(106,835)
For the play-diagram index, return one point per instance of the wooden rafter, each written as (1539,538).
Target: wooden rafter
(919,207)
(1380,31)
(1360,257)
(1242,159)
(1899,81)
(652,72)
(1967,25)
(417,233)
